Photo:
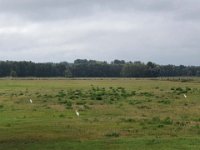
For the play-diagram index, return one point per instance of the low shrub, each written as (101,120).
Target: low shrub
(1,106)
(113,134)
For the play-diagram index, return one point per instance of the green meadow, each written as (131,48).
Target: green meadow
(115,113)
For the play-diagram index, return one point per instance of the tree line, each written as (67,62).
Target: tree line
(93,68)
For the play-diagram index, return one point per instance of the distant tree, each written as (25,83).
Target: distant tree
(152,70)
(93,68)
(80,61)
(118,62)
(68,73)
(137,62)
(151,64)
(134,70)
(198,73)
(13,73)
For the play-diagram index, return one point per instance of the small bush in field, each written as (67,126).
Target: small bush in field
(98,98)
(133,93)
(128,120)
(167,121)
(172,88)
(109,95)
(160,126)
(68,104)
(61,115)
(8,125)
(188,89)
(113,134)
(164,101)
(80,102)
(20,94)
(180,90)
(147,94)
(1,106)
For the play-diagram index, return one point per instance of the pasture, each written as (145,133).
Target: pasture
(124,114)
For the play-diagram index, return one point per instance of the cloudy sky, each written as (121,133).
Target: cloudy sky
(162,31)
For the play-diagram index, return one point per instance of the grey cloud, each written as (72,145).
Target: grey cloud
(64,9)
(164,31)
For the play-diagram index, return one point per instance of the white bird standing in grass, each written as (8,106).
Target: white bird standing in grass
(185,95)
(77,113)
(31,101)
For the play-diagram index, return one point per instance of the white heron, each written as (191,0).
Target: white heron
(185,95)
(31,101)
(77,113)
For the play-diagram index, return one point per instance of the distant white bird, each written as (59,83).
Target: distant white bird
(185,95)
(77,113)
(31,101)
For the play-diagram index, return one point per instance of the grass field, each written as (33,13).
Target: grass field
(125,114)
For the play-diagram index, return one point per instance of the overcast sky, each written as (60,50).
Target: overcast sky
(162,31)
